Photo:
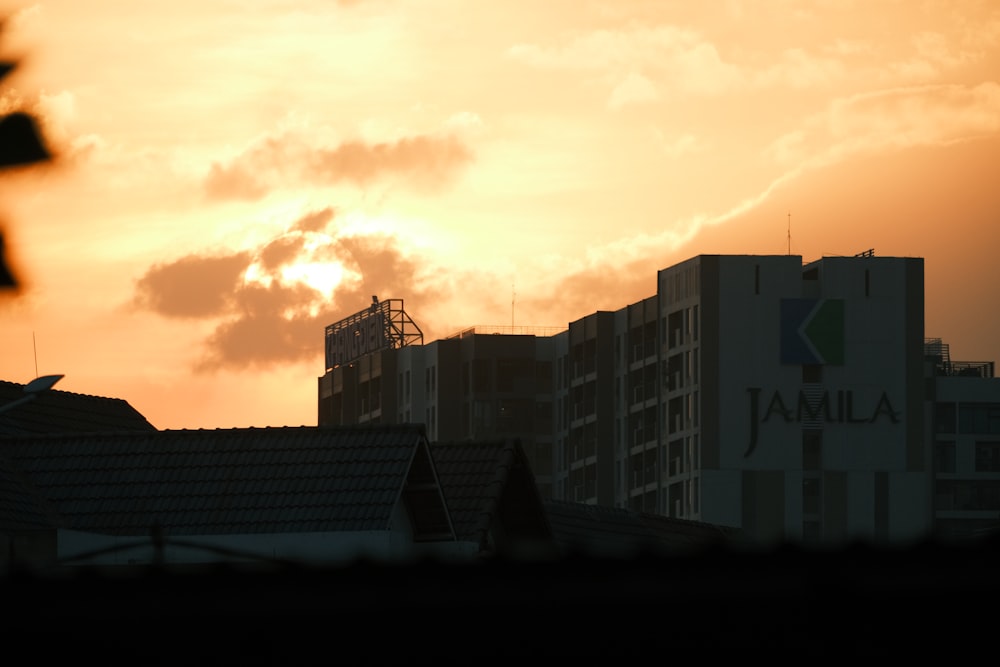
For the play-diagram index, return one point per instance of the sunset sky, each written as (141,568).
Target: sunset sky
(231,176)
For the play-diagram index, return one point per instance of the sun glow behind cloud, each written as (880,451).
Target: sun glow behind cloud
(322,277)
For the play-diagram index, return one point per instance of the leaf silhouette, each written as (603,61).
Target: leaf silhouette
(21,144)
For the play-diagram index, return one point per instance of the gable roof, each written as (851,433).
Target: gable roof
(614,532)
(55,411)
(490,491)
(221,481)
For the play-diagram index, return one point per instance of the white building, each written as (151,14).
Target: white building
(794,402)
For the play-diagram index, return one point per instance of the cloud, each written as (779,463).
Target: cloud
(315,221)
(624,271)
(270,304)
(674,148)
(633,90)
(604,49)
(193,286)
(57,112)
(422,158)
(679,60)
(890,120)
(426,161)
(601,286)
(934,52)
(233,182)
(465,123)
(799,69)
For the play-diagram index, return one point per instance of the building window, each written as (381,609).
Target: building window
(675,464)
(944,417)
(987,456)
(979,418)
(810,495)
(944,457)
(968,495)
(812,449)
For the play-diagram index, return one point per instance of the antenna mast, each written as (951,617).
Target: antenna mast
(35,348)
(512,295)
(789,232)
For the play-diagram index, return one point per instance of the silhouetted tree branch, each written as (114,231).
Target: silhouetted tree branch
(20,144)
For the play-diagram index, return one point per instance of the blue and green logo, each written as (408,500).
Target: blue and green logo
(812,331)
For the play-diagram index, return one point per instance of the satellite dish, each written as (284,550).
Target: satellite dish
(42,383)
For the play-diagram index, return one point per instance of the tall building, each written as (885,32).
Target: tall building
(476,385)
(794,404)
(794,401)
(965,432)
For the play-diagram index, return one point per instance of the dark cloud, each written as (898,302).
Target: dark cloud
(281,252)
(602,287)
(426,161)
(233,182)
(193,286)
(269,320)
(315,221)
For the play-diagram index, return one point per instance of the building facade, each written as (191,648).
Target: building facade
(793,401)
(475,385)
(965,432)
(799,413)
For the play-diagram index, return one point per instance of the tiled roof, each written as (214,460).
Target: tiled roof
(21,506)
(189,482)
(472,476)
(56,411)
(614,532)
(484,482)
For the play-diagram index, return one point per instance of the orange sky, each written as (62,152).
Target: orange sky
(232,177)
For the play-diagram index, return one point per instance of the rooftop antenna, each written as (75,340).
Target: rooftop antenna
(35,348)
(513,294)
(789,232)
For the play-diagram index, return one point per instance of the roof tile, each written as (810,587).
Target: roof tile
(225,480)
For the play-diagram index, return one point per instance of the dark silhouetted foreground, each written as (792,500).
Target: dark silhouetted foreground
(787,603)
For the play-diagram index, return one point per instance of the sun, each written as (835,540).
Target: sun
(324,277)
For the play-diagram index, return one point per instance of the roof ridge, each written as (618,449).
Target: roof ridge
(66,392)
(499,481)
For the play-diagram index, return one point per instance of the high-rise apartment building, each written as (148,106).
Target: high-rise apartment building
(799,409)
(795,401)
(478,384)
(965,435)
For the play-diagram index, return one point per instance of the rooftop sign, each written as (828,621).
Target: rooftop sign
(382,325)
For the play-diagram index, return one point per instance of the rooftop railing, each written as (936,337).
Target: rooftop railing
(508,330)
